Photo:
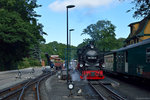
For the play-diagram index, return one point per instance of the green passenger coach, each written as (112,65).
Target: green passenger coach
(132,60)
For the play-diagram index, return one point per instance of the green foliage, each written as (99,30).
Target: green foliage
(141,8)
(24,64)
(11,25)
(103,33)
(100,30)
(85,42)
(20,34)
(28,62)
(120,42)
(106,44)
(55,48)
(24,7)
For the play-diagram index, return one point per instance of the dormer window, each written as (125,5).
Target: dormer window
(133,30)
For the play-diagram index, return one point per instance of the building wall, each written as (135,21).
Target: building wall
(136,26)
(147,28)
(145,33)
(144,37)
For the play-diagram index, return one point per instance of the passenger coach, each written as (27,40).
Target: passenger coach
(132,60)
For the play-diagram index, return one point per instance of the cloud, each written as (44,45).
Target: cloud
(60,5)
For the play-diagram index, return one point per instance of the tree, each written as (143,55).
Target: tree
(24,7)
(141,8)
(103,33)
(19,31)
(100,30)
(85,42)
(55,48)
(120,42)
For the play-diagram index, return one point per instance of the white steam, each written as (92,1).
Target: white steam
(75,76)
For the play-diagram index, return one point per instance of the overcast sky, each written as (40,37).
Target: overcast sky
(86,12)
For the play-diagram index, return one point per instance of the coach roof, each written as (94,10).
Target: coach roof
(134,45)
(130,46)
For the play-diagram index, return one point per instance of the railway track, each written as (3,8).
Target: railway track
(104,93)
(27,90)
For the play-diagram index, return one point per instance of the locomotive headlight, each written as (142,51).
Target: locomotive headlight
(59,76)
(92,46)
(81,65)
(97,64)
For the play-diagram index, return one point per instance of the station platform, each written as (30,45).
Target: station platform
(56,89)
(10,78)
(52,88)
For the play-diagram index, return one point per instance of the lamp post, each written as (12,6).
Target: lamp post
(70,41)
(67,7)
(70,36)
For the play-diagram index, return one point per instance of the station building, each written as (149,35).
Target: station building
(139,31)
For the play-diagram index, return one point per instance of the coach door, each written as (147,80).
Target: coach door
(120,62)
(126,61)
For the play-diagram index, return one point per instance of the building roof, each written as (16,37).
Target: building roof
(142,24)
(147,41)
(133,23)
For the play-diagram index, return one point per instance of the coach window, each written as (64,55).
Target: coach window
(148,55)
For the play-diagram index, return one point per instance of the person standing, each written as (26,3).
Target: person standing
(43,63)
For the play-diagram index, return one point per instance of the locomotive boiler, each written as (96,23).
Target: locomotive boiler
(89,62)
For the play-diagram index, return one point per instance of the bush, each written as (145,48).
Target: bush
(28,62)
(34,62)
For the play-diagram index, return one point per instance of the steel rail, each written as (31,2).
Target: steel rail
(36,82)
(99,94)
(117,96)
(111,93)
(12,87)
(22,92)
(37,87)
(9,92)
(37,91)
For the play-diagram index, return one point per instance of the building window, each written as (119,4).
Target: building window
(148,55)
(134,30)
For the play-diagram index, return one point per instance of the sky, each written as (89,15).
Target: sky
(85,12)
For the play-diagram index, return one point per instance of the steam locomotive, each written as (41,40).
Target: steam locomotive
(89,62)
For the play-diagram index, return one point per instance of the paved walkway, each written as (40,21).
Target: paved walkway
(10,78)
(55,89)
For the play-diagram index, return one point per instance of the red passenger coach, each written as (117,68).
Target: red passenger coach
(92,75)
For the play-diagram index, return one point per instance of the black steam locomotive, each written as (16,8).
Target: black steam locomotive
(89,62)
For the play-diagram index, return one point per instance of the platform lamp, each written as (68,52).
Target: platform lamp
(70,36)
(70,40)
(67,7)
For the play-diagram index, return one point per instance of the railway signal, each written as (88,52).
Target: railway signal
(70,87)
